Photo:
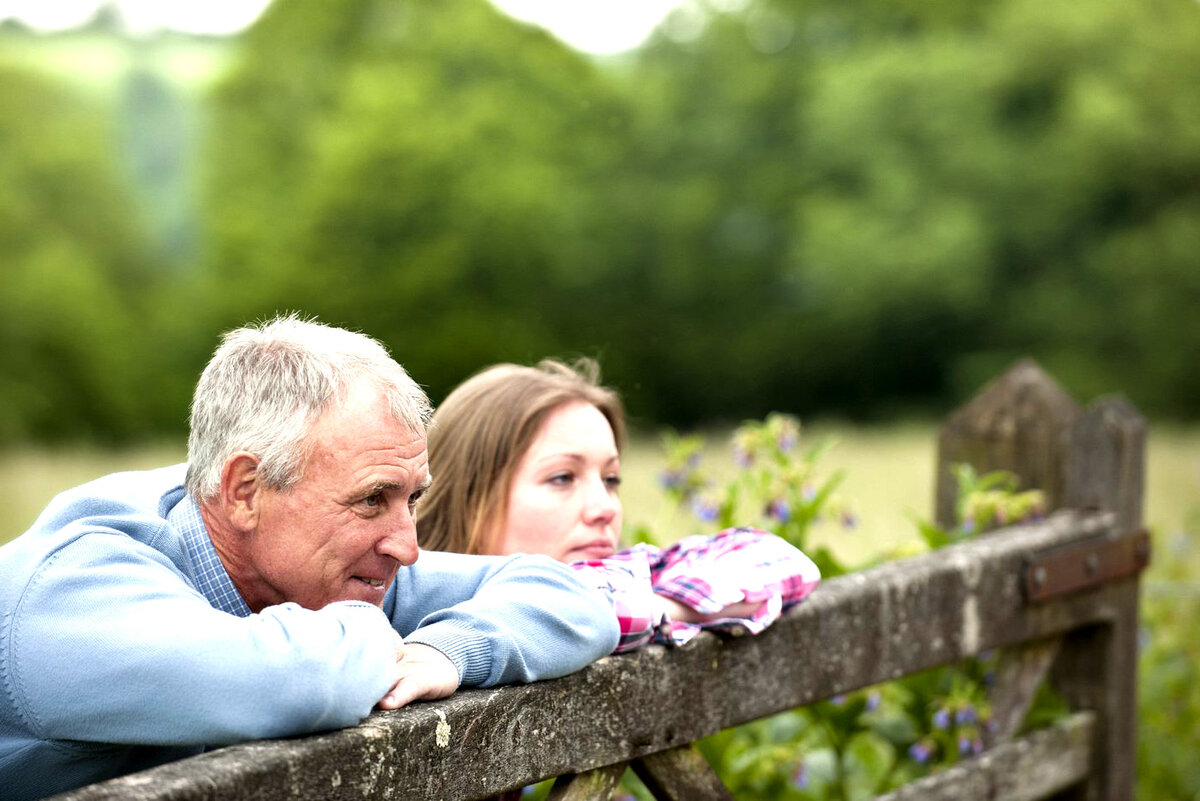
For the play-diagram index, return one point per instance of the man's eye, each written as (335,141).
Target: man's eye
(373,500)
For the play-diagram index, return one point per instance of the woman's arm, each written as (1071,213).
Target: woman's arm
(502,619)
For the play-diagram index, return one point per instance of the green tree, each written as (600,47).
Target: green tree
(776,204)
(74,270)
(938,188)
(420,170)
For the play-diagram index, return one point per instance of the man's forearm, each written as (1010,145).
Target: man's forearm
(518,618)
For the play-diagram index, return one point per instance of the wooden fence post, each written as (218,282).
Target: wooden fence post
(1097,666)
(1082,459)
(1107,467)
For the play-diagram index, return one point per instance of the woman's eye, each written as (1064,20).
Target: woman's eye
(612,482)
(560,479)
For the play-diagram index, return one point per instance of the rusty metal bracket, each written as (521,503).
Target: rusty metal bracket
(1086,564)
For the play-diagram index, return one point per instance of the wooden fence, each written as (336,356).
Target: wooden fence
(1058,598)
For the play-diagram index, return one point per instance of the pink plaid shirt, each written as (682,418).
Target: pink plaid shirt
(707,574)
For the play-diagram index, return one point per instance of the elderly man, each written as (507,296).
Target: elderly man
(145,616)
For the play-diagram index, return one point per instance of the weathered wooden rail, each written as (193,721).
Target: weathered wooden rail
(1058,598)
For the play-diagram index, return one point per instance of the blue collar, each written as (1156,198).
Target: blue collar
(212,579)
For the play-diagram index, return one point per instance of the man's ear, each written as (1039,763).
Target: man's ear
(241,491)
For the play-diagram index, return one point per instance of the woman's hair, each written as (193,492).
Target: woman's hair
(266,385)
(479,435)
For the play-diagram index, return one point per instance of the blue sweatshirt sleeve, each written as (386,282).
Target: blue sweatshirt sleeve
(502,619)
(113,645)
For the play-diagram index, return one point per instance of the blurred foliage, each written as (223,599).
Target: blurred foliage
(983,503)
(75,270)
(936,188)
(429,172)
(1169,670)
(846,207)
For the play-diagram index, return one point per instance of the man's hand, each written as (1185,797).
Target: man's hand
(422,674)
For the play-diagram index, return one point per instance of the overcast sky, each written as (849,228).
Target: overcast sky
(597,26)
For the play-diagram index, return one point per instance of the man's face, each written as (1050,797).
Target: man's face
(345,529)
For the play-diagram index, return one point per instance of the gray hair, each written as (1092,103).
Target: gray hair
(266,385)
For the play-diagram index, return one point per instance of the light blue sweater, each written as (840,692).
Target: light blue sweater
(123,643)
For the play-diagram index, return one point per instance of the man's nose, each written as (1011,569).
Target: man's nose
(401,541)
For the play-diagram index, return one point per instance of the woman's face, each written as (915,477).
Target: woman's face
(563,498)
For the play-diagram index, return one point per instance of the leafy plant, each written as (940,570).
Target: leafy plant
(861,744)
(778,485)
(983,503)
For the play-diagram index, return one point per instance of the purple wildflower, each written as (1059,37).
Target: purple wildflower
(873,700)
(808,492)
(838,699)
(941,719)
(920,751)
(704,510)
(849,521)
(742,457)
(968,525)
(787,441)
(800,776)
(780,510)
(964,744)
(965,715)
(670,479)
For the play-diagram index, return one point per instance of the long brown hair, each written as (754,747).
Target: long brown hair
(478,436)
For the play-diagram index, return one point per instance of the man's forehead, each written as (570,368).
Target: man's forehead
(365,403)
(412,457)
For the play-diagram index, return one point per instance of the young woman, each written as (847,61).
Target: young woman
(528,460)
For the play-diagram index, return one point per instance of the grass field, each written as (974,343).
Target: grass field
(888,477)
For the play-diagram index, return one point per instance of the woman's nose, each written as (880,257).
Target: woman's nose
(602,503)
